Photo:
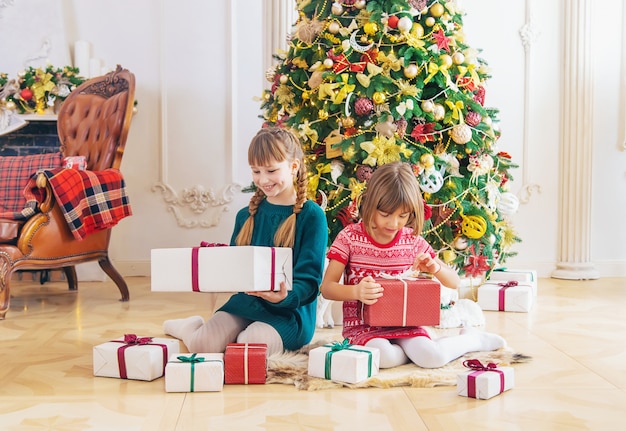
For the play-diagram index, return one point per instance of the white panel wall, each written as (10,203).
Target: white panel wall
(200,64)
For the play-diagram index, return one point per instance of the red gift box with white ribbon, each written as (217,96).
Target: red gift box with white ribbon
(245,363)
(406,301)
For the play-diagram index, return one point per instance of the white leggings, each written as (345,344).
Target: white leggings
(425,352)
(223,328)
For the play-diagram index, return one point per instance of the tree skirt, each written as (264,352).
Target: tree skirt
(290,368)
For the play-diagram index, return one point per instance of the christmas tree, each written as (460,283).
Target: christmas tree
(368,82)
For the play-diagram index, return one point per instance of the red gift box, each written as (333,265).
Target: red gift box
(245,363)
(405,302)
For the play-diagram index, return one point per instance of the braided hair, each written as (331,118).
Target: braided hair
(267,146)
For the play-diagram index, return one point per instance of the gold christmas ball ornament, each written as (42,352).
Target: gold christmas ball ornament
(430,21)
(437,10)
(371,28)
(10,105)
(360,4)
(283,79)
(267,96)
(448,256)
(328,63)
(439,112)
(322,114)
(405,24)
(428,106)
(473,226)
(446,61)
(458,57)
(427,160)
(417,30)
(347,122)
(461,134)
(379,98)
(334,27)
(410,71)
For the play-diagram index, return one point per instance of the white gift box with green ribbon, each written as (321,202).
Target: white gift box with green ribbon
(344,362)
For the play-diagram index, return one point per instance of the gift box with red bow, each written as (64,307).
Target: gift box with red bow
(195,372)
(245,363)
(525,276)
(506,296)
(133,357)
(206,268)
(484,381)
(344,362)
(405,302)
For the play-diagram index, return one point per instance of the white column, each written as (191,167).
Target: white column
(280,15)
(574,260)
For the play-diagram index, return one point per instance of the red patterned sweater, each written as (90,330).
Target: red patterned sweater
(363,256)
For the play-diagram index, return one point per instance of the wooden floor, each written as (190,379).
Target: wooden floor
(576,334)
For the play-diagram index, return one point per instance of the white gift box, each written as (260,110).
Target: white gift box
(506,296)
(205,375)
(468,288)
(138,361)
(521,275)
(483,385)
(352,364)
(221,269)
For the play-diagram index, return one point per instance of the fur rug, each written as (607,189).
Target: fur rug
(290,368)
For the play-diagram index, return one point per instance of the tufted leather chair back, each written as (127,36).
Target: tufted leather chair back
(94,119)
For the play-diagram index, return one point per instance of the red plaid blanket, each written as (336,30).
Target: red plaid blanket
(15,172)
(90,200)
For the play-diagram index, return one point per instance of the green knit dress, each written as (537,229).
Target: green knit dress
(293,317)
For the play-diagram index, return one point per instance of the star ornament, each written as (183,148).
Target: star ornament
(442,40)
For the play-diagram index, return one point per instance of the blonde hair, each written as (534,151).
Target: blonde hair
(390,187)
(269,145)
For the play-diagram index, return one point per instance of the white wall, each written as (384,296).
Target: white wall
(199,66)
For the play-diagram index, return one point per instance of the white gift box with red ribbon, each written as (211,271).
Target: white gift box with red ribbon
(506,296)
(221,269)
(526,276)
(484,381)
(133,357)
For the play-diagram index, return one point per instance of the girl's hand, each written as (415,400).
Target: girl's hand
(426,262)
(272,296)
(368,291)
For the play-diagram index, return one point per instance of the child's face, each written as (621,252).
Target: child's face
(276,181)
(385,225)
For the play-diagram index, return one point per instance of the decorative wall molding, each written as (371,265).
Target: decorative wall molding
(529,33)
(199,202)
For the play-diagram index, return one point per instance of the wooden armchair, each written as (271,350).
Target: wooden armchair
(92,122)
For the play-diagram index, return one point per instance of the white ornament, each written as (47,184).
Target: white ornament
(431,181)
(508,204)
(336,169)
(405,24)
(336,8)
(460,243)
(355,45)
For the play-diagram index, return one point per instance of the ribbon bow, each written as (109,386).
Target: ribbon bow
(192,359)
(456,109)
(134,339)
(433,69)
(476,365)
(212,244)
(337,346)
(511,283)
